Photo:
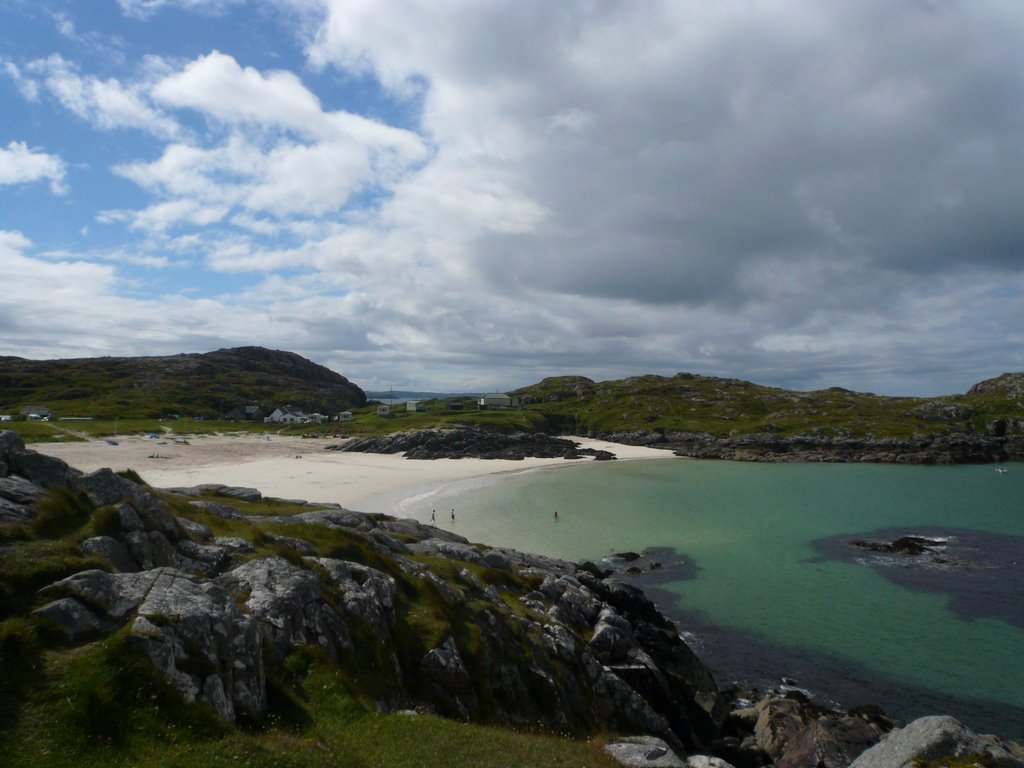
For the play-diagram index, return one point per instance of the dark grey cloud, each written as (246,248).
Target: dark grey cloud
(883,135)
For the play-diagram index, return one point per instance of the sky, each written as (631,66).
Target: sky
(463,195)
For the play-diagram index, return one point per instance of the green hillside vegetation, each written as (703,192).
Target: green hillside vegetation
(720,407)
(103,704)
(204,385)
(147,393)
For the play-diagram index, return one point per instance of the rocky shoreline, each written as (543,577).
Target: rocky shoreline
(464,442)
(457,442)
(430,621)
(957,448)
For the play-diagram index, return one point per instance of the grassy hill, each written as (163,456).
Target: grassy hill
(689,403)
(720,407)
(209,385)
(206,385)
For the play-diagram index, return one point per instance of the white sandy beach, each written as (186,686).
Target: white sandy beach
(300,468)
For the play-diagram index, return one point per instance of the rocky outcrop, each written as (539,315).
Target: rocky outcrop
(789,730)
(962,448)
(540,641)
(191,630)
(936,739)
(18,498)
(472,443)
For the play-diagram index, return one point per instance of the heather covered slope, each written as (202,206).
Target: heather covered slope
(209,384)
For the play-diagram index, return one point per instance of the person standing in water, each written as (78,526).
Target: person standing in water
(433,518)
(453,515)
(556,515)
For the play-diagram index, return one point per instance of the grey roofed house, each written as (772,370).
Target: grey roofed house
(287,415)
(497,400)
(35,410)
(245,413)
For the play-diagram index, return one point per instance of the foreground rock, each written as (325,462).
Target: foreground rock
(470,443)
(471,632)
(937,739)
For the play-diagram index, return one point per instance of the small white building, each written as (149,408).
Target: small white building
(497,400)
(383,410)
(345,416)
(287,415)
(415,405)
(6,417)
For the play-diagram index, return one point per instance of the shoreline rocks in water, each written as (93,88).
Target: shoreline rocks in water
(904,545)
(471,443)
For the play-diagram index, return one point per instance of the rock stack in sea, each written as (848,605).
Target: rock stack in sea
(517,639)
(466,442)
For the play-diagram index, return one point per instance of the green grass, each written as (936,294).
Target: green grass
(28,566)
(61,512)
(101,705)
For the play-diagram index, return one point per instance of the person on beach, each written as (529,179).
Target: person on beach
(453,515)
(556,515)
(433,518)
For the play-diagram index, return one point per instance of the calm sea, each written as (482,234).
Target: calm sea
(758,573)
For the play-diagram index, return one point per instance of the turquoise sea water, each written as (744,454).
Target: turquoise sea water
(764,600)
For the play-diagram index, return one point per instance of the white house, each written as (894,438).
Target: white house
(6,417)
(345,416)
(497,400)
(414,405)
(287,415)
(383,410)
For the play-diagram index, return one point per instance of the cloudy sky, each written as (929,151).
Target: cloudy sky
(464,195)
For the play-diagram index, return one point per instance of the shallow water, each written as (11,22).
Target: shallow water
(776,591)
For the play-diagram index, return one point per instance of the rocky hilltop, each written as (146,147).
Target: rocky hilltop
(709,417)
(208,384)
(219,601)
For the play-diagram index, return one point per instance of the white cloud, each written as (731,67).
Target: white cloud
(283,155)
(28,87)
(108,104)
(217,86)
(144,9)
(795,192)
(19,165)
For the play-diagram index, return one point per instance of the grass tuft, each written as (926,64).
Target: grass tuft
(61,512)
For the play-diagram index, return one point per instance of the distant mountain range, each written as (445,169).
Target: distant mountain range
(209,384)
